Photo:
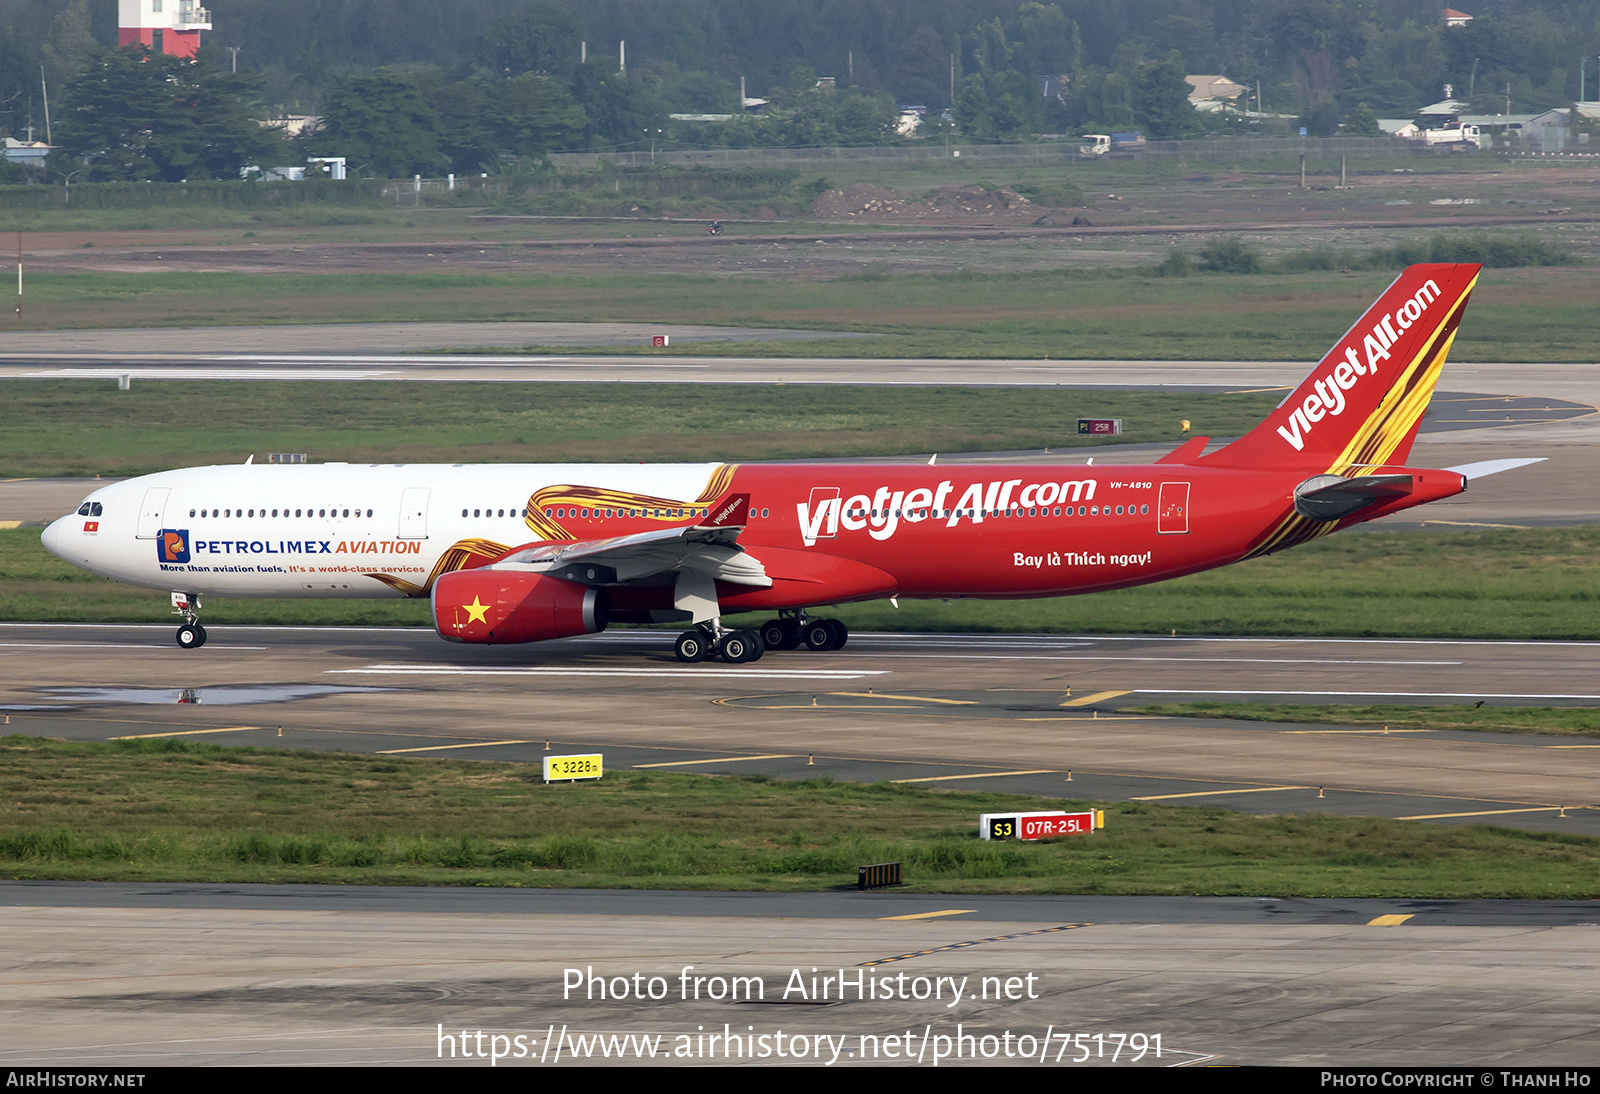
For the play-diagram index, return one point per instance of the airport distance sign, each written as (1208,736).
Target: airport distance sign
(572,768)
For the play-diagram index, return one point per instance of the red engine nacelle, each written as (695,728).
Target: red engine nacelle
(501,606)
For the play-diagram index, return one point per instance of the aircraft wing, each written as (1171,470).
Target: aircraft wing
(710,549)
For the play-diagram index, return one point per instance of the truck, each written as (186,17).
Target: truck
(1452,137)
(1111,144)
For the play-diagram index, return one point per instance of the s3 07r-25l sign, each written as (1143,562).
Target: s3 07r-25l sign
(1047,825)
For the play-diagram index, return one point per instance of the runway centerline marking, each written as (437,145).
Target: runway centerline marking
(1170,660)
(926,915)
(979,775)
(668,674)
(440,748)
(1210,793)
(723,760)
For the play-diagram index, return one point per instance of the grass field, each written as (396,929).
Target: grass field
(84,427)
(1534,583)
(1554,721)
(183,811)
(1516,315)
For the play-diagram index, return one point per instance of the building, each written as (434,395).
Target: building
(1454,18)
(169,26)
(1210,94)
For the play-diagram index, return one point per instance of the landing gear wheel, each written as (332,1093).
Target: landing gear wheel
(742,646)
(780,634)
(692,646)
(818,635)
(840,634)
(191,636)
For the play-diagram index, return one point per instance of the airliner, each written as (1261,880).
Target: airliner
(510,553)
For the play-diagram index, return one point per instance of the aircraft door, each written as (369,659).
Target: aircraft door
(414,513)
(1172,509)
(152,511)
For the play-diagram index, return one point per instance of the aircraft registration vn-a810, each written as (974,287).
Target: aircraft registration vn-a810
(522,553)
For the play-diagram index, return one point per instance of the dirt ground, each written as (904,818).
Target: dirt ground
(864,228)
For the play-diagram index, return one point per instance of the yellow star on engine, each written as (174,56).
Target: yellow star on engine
(477,612)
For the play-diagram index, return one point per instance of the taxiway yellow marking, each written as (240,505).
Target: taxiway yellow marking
(927,915)
(1572,746)
(1258,390)
(1097,697)
(1487,813)
(440,748)
(721,760)
(1209,793)
(1388,920)
(10,524)
(980,775)
(184,733)
(913,698)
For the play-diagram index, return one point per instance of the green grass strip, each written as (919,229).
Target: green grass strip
(188,811)
(1555,721)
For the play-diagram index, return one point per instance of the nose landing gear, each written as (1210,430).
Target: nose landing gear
(191,635)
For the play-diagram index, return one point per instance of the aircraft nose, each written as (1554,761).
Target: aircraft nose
(54,538)
(60,538)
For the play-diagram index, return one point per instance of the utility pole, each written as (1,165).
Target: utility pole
(622,56)
(45,87)
(234,50)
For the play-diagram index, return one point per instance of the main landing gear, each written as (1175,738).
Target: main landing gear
(191,635)
(790,630)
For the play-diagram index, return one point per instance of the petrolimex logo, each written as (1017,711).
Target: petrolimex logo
(172,545)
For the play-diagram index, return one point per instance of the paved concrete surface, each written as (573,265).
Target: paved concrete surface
(305,982)
(885,707)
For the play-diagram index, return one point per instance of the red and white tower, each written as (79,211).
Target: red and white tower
(179,21)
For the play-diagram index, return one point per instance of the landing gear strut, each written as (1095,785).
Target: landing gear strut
(191,635)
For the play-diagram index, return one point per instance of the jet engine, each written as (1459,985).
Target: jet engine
(506,606)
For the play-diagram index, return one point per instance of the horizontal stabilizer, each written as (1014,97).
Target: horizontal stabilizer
(1482,468)
(1333,497)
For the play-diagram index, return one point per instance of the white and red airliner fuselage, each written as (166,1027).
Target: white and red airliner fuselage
(515,553)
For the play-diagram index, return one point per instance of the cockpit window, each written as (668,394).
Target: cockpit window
(83,510)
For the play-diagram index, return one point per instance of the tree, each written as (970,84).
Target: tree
(544,40)
(384,121)
(142,115)
(525,116)
(1161,98)
(1363,122)
(618,111)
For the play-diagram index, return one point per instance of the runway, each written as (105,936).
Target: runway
(1018,712)
(131,976)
